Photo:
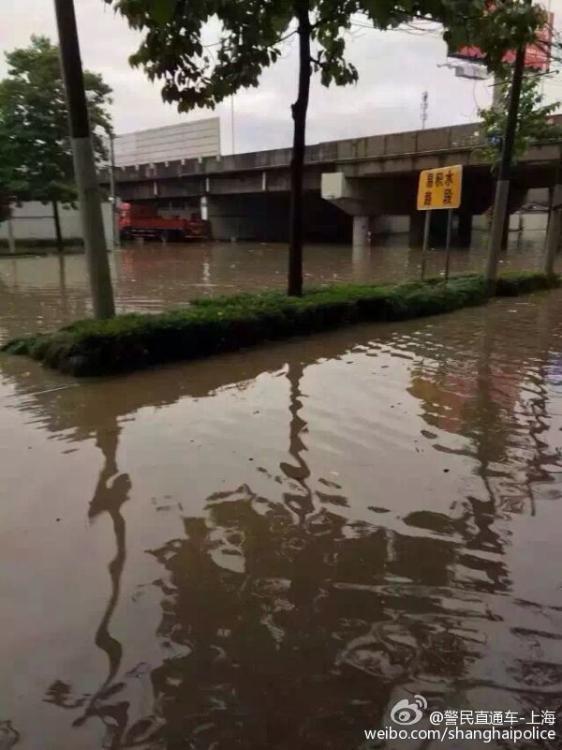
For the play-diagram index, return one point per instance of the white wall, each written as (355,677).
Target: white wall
(533,221)
(173,142)
(34,221)
(525,221)
(391,224)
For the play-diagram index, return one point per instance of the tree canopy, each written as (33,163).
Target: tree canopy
(35,151)
(534,124)
(195,74)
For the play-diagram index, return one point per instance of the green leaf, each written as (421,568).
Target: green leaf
(163,10)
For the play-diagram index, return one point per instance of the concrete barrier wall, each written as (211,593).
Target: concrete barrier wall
(532,221)
(406,142)
(33,221)
(529,222)
(453,138)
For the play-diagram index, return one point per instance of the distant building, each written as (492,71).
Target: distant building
(175,142)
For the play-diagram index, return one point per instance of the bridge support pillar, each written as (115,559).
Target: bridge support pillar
(361,231)
(204,208)
(361,262)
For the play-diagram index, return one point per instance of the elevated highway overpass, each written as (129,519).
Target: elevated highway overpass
(349,184)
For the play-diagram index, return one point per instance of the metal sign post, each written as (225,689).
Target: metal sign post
(448,243)
(439,189)
(426,226)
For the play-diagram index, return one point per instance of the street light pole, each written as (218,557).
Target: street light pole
(84,164)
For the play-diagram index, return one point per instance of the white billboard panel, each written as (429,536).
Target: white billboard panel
(174,142)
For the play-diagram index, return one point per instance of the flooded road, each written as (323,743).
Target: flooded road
(39,293)
(269,549)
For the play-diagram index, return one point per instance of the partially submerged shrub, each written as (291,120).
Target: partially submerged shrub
(209,326)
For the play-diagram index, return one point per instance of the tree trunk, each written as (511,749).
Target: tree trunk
(87,185)
(299,110)
(497,230)
(506,223)
(554,230)
(58,231)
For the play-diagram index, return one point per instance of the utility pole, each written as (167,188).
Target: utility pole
(84,164)
(232,124)
(504,173)
(424,108)
(114,208)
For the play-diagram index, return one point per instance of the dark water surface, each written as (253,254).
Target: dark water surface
(269,549)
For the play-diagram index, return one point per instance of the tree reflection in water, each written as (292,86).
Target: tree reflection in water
(291,625)
(112,491)
(496,396)
(286,624)
(9,736)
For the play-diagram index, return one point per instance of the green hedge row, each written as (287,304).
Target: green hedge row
(210,326)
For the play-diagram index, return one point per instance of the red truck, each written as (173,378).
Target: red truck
(138,220)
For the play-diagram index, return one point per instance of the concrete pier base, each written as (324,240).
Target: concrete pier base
(361,231)
(361,262)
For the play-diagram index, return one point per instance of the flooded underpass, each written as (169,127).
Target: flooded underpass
(270,549)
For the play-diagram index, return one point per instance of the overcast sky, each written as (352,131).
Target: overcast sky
(394,67)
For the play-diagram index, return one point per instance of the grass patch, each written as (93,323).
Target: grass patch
(220,324)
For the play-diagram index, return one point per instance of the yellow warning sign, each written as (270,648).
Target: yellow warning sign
(440,188)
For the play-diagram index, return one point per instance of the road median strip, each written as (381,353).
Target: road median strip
(221,324)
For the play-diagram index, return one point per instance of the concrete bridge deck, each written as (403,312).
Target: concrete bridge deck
(246,195)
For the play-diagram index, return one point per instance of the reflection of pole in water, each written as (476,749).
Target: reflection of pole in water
(11,235)
(493,439)
(15,276)
(538,404)
(206,277)
(9,736)
(111,492)
(62,284)
(487,412)
(300,503)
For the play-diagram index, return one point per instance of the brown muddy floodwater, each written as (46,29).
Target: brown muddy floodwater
(39,293)
(269,549)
